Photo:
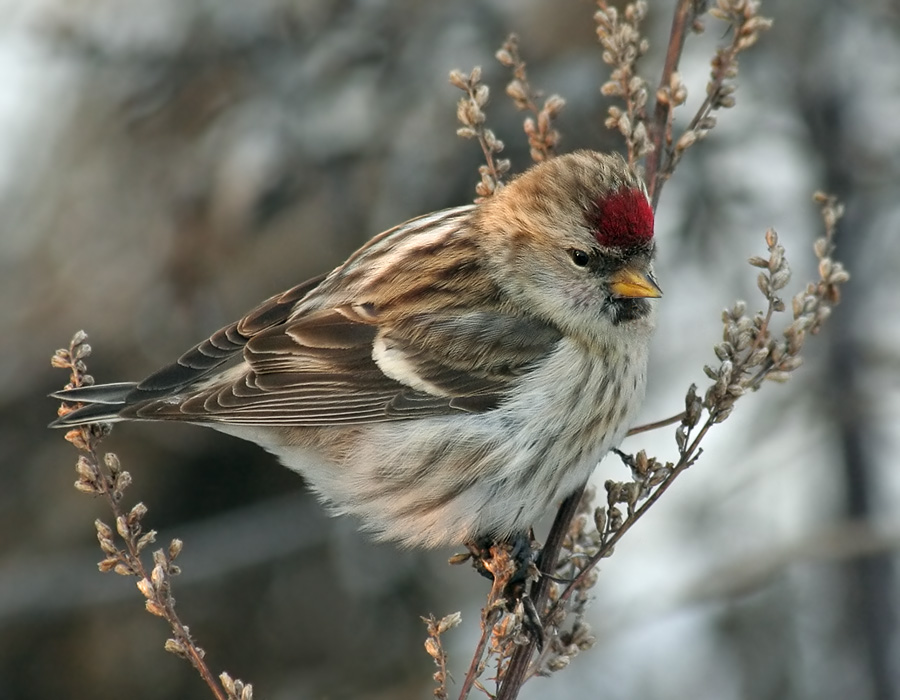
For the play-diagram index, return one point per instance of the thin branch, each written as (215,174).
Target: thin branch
(470,113)
(623,45)
(517,670)
(686,461)
(435,648)
(489,618)
(746,26)
(749,354)
(683,18)
(110,481)
(647,427)
(542,136)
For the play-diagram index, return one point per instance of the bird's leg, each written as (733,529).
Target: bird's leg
(516,549)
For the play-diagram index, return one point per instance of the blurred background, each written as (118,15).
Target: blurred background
(166,164)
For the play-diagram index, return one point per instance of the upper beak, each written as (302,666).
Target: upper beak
(633,284)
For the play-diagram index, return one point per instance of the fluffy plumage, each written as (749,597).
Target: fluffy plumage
(456,376)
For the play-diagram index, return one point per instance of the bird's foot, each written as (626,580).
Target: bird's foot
(510,564)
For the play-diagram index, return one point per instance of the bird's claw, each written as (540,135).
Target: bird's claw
(510,565)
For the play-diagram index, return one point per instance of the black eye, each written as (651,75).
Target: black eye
(579,257)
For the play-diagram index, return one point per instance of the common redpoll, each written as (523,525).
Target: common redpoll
(457,376)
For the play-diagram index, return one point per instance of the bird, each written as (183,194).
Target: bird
(456,377)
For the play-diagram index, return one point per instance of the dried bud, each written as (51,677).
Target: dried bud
(122,481)
(481,95)
(104,531)
(122,526)
(85,469)
(432,648)
(111,460)
(460,558)
(227,683)
(724,351)
(87,487)
(681,437)
(687,139)
(159,558)
(557,663)
(76,437)
(516,90)
(821,247)
(154,608)
(60,359)
(781,277)
(173,646)
(108,564)
(175,547)
(449,622)
(146,588)
(457,79)
(148,538)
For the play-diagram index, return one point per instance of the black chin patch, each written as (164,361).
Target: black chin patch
(625,310)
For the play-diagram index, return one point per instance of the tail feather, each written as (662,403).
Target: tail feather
(104,403)
(110,394)
(92,413)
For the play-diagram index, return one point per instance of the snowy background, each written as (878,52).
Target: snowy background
(166,164)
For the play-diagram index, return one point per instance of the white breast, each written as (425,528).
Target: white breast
(446,480)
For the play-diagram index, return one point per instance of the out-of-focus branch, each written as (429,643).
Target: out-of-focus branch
(746,26)
(749,354)
(110,481)
(542,136)
(518,667)
(656,425)
(623,45)
(470,113)
(652,137)
(667,95)
(435,648)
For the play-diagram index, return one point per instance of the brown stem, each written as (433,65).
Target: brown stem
(90,440)
(178,628)
(683,463)
(647,427)
(684,16)
(487,627)
(720,75)
(489,159)
(137,565)
(517,670)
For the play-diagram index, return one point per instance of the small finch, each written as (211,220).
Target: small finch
(457,376)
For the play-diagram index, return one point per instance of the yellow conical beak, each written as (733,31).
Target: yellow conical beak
(634,284)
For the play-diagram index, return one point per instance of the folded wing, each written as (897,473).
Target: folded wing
(330,367)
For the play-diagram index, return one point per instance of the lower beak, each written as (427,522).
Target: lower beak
(633,284)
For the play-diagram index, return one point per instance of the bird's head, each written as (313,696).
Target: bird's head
(572,241)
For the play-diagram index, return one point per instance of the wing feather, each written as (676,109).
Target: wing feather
(317,355)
